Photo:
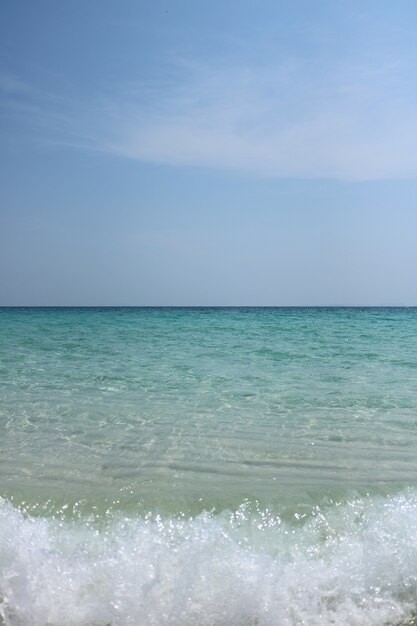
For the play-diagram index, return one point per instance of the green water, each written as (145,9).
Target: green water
(171,408)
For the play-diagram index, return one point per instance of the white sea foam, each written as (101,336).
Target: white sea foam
(349,564)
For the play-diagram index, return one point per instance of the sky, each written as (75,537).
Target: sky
(226,153)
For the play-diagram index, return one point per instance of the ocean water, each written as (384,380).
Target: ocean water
(208,466)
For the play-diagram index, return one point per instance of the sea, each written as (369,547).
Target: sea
(208,466)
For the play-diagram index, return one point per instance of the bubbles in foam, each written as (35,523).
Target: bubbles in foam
(353,564)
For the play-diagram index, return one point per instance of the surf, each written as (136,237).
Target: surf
(351,563)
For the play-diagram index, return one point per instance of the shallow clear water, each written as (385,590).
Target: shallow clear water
(208,466)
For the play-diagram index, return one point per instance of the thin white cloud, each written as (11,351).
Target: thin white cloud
(43,116)
(292,119)
(11,84)
(283,122)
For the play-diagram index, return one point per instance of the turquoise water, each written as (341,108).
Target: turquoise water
(216,466)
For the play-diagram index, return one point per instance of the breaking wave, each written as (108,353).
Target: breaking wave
(350,563)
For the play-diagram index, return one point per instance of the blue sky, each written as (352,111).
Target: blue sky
(222,153)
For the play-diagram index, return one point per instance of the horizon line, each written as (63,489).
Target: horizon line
(208,306)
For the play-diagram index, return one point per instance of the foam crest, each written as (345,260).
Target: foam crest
(352,563)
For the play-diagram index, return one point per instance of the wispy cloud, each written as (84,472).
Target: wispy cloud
(11,84)
(352,122)
(289,120)
(45,116)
